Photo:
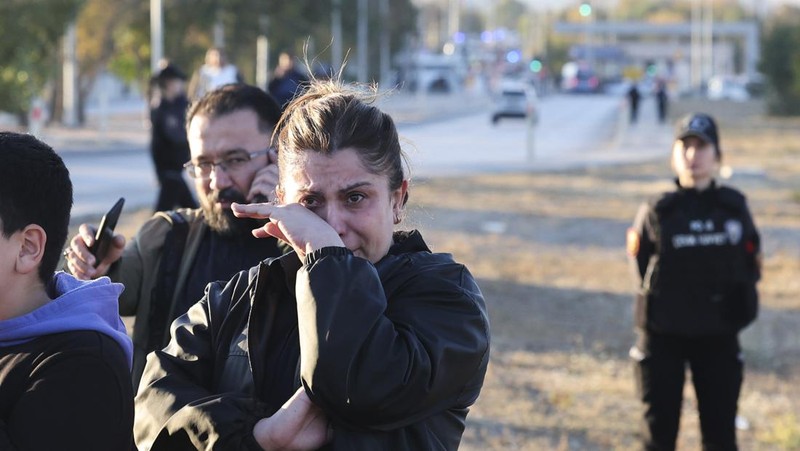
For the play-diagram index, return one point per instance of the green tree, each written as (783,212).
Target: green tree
(30,34)
(780,63)
(289,26)
(508,14)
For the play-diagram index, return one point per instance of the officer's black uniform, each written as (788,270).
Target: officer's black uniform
(695,254)
(169,147)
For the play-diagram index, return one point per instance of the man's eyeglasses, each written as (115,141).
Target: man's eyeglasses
(232,162)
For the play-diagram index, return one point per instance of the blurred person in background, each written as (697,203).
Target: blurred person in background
(661,101)
(695,253)
(169,146)
(64,354)
(634,96)
(287,80)
(216,71)
(361,337)
(176,253)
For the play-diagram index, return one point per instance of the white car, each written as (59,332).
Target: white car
(516,101)
(727,88)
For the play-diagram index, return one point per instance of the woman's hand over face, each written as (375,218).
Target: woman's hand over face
(292,223)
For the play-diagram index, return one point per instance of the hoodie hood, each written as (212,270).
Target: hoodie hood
(79,305)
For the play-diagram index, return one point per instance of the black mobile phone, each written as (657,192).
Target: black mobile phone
(105,233)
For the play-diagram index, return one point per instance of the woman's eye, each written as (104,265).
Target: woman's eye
(309,202)
(354,198)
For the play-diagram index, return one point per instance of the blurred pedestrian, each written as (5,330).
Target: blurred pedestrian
(695,253)
(169,146)
(216,71)
(286,80)
(661,101)
(64,353)
(633,102)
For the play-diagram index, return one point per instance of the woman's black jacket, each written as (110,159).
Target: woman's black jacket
(394,353)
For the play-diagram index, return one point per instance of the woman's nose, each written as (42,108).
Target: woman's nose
(335,216)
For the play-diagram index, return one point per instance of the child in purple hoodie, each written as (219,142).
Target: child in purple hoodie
(64,354)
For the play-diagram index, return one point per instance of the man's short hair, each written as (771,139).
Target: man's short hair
(234,97)
(35,189)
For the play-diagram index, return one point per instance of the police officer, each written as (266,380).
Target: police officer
(695,254)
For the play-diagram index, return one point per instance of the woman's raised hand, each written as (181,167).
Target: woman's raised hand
(292,223)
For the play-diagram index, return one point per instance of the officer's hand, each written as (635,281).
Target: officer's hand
(262,189)
(81,262)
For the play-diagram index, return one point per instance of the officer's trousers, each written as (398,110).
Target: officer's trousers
(717,371)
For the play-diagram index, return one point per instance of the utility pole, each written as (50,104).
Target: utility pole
(156,35)
(219,30)
(708,47)
(70,78)
(453,18)
(336,45)
(385,53)
(695,52)
(262,54)
(363,70)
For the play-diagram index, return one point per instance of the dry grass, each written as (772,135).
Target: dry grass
(548,251)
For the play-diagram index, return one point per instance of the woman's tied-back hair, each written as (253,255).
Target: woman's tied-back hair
(329,116)
(35,188)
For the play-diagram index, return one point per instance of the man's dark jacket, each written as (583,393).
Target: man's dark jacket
(394,353)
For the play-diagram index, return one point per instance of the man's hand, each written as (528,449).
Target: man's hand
(81,262)
(297,425)
(262,189)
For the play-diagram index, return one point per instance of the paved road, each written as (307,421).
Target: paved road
(444,136)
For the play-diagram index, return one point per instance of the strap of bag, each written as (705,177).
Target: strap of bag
(164,289)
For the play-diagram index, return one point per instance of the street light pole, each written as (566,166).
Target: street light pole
(70,78)
(156,35)
(362,41)
(708,47)
(385,54)
(262,54)
(336,29)
(696,56)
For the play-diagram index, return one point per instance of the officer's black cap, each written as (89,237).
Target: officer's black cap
(170,73)
(700,125)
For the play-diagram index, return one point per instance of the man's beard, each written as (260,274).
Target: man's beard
(222,220)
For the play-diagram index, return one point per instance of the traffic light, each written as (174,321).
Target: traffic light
(585,10)
(650,68)
(535,66)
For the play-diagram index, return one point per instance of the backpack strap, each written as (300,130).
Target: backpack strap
(167,277)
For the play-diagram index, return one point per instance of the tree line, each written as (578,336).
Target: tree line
(114,35)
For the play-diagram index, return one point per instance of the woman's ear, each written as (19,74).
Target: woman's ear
(399,199)
(33,239)
(279,194)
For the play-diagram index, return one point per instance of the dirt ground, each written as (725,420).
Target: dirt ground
(548,251)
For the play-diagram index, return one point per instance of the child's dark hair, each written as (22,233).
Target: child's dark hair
(35,188)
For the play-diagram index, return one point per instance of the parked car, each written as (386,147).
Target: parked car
(728,88)
(516,100)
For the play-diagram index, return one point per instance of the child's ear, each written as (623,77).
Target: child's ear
(32,240)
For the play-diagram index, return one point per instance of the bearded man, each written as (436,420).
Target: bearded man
(175,254)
